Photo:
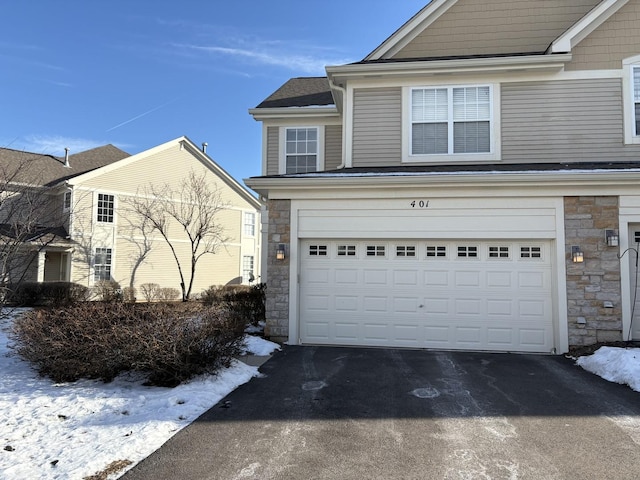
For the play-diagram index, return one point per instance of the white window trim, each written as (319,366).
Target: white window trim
(95,208)
(66,209)
(282,162)
(94,264)
(245,224)
(246,272)
(628,107)
(495,143)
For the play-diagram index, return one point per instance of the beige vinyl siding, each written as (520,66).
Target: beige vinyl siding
(160,266)
(377,127)
(564,121)
(332,146)
(616,39)
(273,147)
(473,27)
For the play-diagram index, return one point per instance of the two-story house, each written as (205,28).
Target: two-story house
(472,183)
(88,228)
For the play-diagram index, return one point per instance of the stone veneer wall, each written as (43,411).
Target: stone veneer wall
(277,295)
(597,279)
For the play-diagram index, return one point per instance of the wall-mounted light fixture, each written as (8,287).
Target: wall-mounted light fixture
(612,237)
(280,252)
(576,254)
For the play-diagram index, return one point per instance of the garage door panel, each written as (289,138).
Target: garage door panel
(436,278)
(381,298)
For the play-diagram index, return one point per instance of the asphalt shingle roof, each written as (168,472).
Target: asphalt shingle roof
(301,92)
(47,170)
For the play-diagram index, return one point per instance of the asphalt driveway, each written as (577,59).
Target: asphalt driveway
(355,413)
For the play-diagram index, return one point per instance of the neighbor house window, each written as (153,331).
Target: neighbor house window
(105,208)
(247,269)
(66,203)
(102,264)
(301,150)
(249,224)
(450,121)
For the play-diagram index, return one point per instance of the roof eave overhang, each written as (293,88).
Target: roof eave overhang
(595,178)
(260,114)
(517,63)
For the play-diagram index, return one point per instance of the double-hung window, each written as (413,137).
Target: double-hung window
(102,264)
(453,121)
(66,201)
(631,95)
(302,150)
(249,224)
(247,269)
(106,207)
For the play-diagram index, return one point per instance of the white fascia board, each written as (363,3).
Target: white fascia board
(460,180)
(294,112)
(410,30)
(587,24)
(456,66)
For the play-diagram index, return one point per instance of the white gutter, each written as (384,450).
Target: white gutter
(624,177)
(457,66)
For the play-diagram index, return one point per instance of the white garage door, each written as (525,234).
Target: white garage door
(429,294)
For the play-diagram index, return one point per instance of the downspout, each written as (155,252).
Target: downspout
(344,126)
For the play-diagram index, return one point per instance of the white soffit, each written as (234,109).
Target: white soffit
(587,24)
(410,30)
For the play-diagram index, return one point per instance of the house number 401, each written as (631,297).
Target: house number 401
(420,203)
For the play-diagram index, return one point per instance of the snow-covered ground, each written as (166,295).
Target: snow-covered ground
(75,430)
(619,365)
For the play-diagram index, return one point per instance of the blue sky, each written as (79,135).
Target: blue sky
(85,73)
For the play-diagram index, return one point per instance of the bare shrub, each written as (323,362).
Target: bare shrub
(168,294)
(247,302)
(107,290)
(29,294)
(150,291)
(100,340)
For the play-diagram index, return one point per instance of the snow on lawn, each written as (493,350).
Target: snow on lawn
(74,430)
(619,365)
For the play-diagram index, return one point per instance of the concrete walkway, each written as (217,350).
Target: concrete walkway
(349,413)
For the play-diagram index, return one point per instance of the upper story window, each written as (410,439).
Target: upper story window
(301,149)
(631,95)
(249,224)
(451,122)
(66,201)
(106,207)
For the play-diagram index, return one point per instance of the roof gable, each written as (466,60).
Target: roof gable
(457,28)
(183,143)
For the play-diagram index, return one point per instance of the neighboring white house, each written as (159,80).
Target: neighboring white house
(473,183)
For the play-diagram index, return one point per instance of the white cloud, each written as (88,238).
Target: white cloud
(54,144)
(272,54)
